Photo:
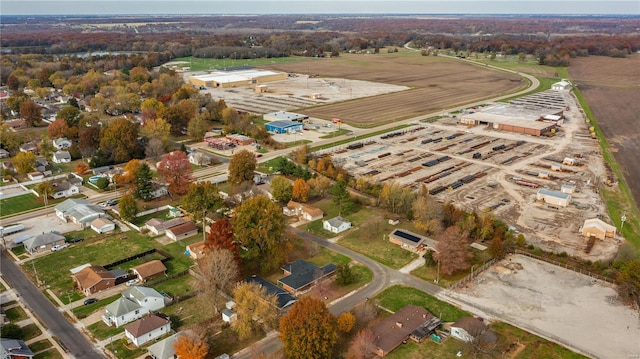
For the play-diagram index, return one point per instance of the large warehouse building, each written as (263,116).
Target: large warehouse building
(228,79)
(283,115)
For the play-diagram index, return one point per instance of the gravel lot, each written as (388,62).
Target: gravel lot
(557,303)
(42,224)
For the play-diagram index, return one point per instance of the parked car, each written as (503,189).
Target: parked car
(112,202)
(90,301)
(59,247)
(132,282)
(75,240)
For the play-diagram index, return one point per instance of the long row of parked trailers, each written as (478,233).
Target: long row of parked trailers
(457,184)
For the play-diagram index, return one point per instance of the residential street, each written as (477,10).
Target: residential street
(68,336)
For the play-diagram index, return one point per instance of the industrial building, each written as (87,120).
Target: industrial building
(553,198)
(283,115)
(283,126)
(228,79)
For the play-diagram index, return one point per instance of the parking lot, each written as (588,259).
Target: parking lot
(42,224)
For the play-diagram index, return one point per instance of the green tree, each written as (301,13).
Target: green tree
(281,188)
(16,100)
(128,208)
(629,281)
(344,274)
(11,331)
(241,167)
(259,227)
(102,183)
(45,147)
(10,141)
(24,162)
(309,330)
(341,197)
(253,302)
(71,115)
(144,188)
(45,189)
(202,197)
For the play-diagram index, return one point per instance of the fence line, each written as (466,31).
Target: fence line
(473,274)
(566,266)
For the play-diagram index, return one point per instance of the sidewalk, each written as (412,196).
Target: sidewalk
(415,264)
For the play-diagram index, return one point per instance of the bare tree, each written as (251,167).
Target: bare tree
(453,250)
(365,312)
(219,269)
(362,345)
(154,149)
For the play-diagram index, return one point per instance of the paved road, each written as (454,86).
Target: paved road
(76,343)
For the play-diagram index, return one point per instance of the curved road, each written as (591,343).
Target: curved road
(68,336)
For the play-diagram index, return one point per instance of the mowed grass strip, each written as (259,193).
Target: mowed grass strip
(27,202)
(397,297)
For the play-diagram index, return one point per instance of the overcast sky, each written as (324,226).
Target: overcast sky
(105,7)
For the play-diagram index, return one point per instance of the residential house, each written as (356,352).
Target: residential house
(311,213)
(398,327)
(158,226)
(135,303)
(411,241)
(196,250)
(182,231)
(61,157)
(16,124)
(94,279)
(292,209)
(199,158)
(78,211)
(29,147)
(150,270)
(158,189)
(598,228)
(165,349)
(147,329)
(467,329)
(284,299)
(102,225)
(62,143)
(42,165)
(8,166)
(336,225)
(42,242)
(301,275)
(14,349)
(64,189)
(4,153)
(35,176)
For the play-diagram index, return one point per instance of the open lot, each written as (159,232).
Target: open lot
(435,82)
(563,305)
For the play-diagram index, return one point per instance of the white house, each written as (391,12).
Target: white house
(147,329)
(158,189)
(336,225)
(135,303)
(158,226)
(199,158)
(4,153)
(182,231)
(61,157)
(467,329)
(102,225)
(61,143)
(34,176)
(64,189)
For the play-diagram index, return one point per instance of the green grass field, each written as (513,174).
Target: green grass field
(27,202)
(16,314)
(397,297)
(202,64)
(84,311)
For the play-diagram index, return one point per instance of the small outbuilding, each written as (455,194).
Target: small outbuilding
(553,198)
(150,270)
(595,227)
(102,225)
(468,329)
(182,231)
(563,85)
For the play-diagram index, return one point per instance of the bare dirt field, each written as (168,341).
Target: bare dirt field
(560,304)
(436,83)
(611,87)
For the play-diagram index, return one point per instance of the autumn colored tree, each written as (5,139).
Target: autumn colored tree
(308,330)
(241,167)
(57,128)
(16,100)
(259,226)
(320,185)
(218,269)
(427,213)
(175,169)
(190,347)
(452,251)
(178,115)
(221,236)
(396,198)
(202,198)
(24,162)
(81,168)
(198,127)
(31,112)
(89,140)
(629,281)
(157,128)
(154,149)
(120,140)
(346,321)
(252,301)
(10,141)
(301,154)
(300,190)
(45,189)
(281,189)
(45,147)
(71,115)
(362,345)
(128,177)
(127,207)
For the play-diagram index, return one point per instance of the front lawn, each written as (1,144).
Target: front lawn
(101,331)
(124,350)
(27,202)
(176,287)
(30,331)
(49,354)
(40,345)
(16,314)
(186,313)
(84,311)
(397,297)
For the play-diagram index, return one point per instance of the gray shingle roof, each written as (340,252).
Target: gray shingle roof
(304,273)
(42,240)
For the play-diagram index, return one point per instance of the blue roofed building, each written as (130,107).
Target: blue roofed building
(283,126)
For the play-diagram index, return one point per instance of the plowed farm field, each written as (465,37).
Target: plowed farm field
(436,83)
(611,87)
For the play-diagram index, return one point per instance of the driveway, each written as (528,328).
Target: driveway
(69,337)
